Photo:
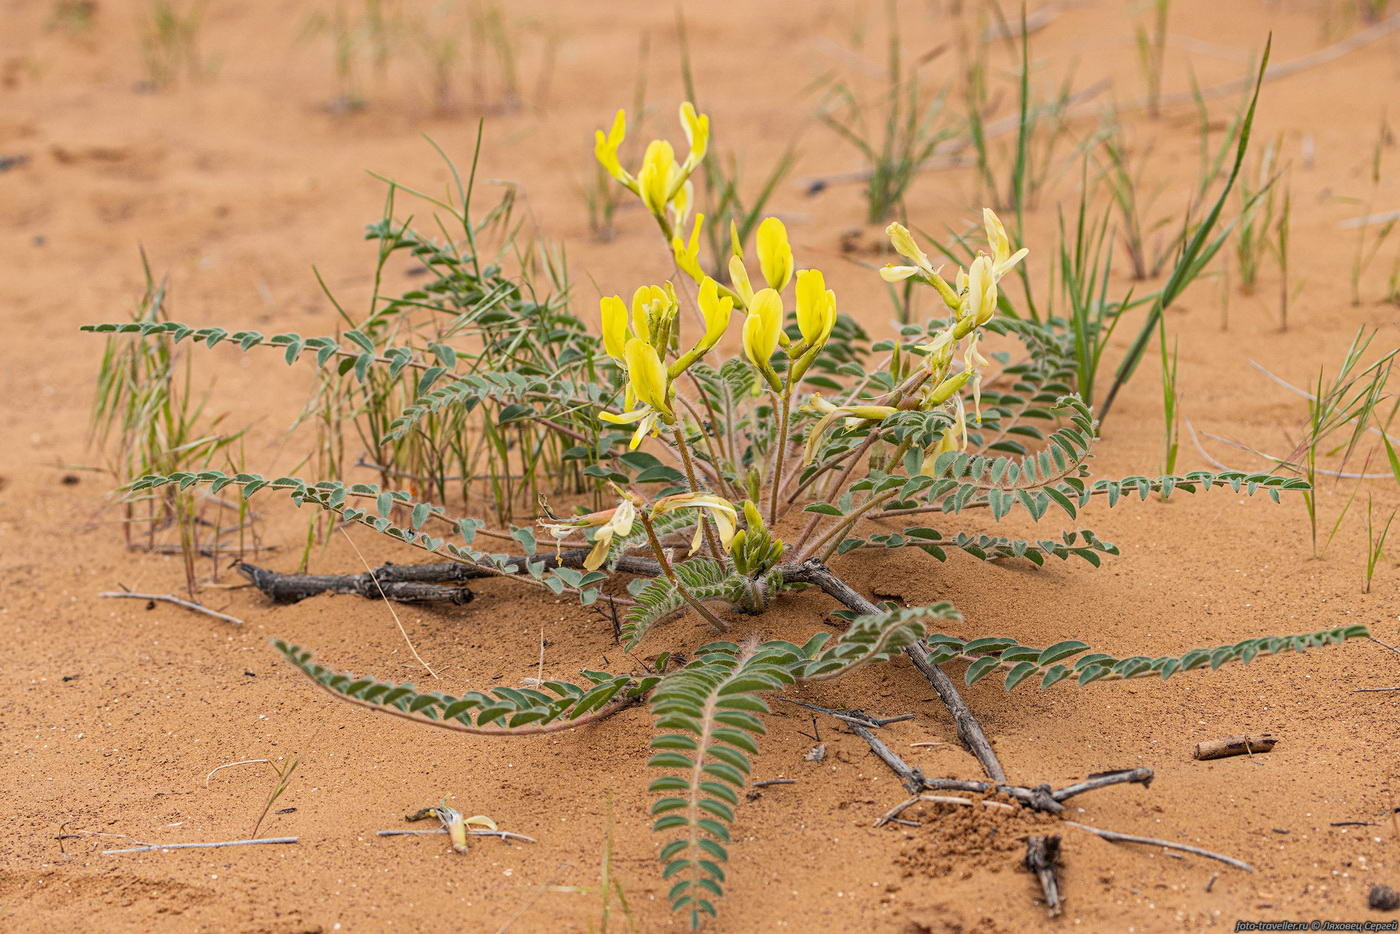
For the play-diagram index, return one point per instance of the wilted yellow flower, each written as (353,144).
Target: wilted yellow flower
(1002,257)
(609,523)
(903,242)
(774,253)
(721,510)
(832,413)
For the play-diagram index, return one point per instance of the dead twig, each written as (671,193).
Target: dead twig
(1139,776)
(503,834)
(1042,859)
(171,598)
(200,846)
(1114,836)
(1228,746)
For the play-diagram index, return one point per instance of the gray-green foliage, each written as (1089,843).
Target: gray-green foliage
(504,382)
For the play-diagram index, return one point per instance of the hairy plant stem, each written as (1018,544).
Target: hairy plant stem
(719,624)
(711,542)
(775,479)
(832,539)
(840,482)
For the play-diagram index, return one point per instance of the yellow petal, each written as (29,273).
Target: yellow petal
(605,148)
(614,315)
(599,554)
(898,273)
(688,255)
(996,235)
(812,301)
(740,277)
(904,245)
(774,253)
(654,180)
(697,133)
(716,311)
(646,374)
(762,327)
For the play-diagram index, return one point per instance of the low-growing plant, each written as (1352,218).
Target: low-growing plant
(770,462)
(906,137)
(148,418)
(170,41)
(1152,50)
(1375,542)
(349,36)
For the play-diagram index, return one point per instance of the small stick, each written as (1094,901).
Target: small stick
(1234,746)
(171,598)
(1042,858)
(503,834)
(1140,776)
(906,804)
(1384,644)
(1115,837)
(1372,690)
(200,846)
(775,781)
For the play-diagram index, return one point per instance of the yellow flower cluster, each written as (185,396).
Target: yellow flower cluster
(641,342)
(663,181)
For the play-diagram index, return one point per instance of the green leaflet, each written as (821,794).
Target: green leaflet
(989,655)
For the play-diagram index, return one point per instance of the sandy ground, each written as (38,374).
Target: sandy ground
(237,185)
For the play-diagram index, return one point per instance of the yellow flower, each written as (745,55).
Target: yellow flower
(725,516)
(663,181)
(605,149)
(903,242)
(649,385)
(609,523)
(614,314)
(716,312)
(816,307)
(688,255)
(774,253)
(740,277)
(654,312)
(646,375)
(832,413)
(1002,257)
(654,180)
(761,330)
(697,134)
(980,297)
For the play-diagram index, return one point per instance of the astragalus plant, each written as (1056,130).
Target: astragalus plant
(726,479)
